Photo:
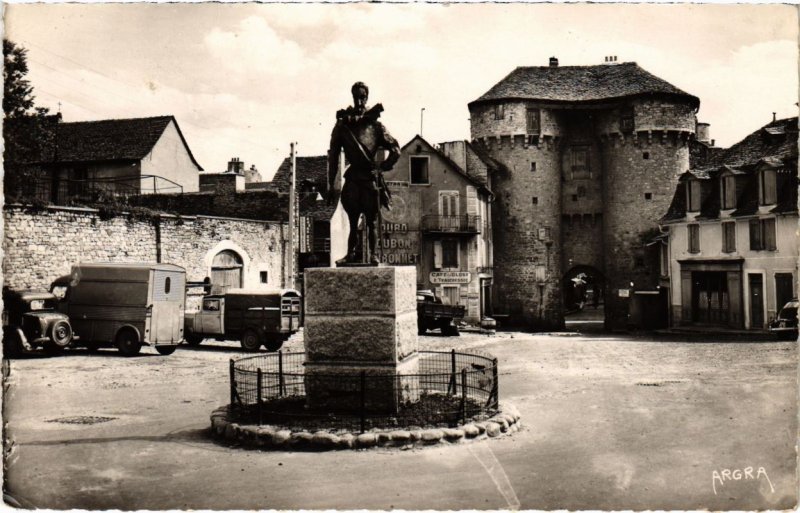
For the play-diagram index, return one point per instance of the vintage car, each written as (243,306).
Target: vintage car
(254,317)
(432,314)
(785,324)
(31,321)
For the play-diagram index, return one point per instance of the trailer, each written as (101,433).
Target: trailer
(125,305)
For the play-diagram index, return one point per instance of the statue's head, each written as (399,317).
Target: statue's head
(360,94)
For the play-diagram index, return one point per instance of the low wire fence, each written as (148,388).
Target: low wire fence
(444,389)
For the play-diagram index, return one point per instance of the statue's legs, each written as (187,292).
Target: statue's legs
(370,218)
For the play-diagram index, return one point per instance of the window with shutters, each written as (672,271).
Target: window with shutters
(419,170)
(694,238)
(767,187)
(499,111)
(693,195)
(580,162)
(450,250)
(729,237)
(728,192)
(533,121)
(448,203)
(762,234)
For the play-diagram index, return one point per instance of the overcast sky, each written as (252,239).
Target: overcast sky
(245,80)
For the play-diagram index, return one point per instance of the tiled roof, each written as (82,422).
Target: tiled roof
(311,173)
(775,148)
(112,139)
(580,84)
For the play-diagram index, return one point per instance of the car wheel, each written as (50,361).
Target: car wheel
(166,350)
(250,340)
(60,337)
(193,340)
(273,343)
(128,342)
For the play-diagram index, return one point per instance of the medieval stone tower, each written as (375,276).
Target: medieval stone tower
(590,156)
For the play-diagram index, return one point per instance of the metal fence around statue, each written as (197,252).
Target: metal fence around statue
(450,388)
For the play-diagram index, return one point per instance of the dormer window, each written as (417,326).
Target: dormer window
(767,187)
(728,192)
(693,195)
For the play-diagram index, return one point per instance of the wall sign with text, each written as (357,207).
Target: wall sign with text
(446,277)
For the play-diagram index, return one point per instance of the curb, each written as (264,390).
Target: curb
(268,437)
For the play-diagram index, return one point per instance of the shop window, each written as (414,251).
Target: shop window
(728,192)
(729,237)
(694,238)
(419,170)
(767,187)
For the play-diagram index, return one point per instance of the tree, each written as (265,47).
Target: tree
(17,91)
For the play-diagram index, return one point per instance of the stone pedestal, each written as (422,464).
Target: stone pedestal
(360,319)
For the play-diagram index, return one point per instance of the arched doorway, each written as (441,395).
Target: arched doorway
(584,292)
(226,271)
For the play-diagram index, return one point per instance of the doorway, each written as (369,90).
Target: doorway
(756,287)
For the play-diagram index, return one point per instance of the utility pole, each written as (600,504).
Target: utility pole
(292,205)
(421,115)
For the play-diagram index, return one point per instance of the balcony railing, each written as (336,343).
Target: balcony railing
(451,224)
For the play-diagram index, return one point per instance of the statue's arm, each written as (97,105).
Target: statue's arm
(393,148)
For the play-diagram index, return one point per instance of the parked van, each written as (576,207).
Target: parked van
(254,317)
(125,305)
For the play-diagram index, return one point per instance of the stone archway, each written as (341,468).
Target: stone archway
(584,290)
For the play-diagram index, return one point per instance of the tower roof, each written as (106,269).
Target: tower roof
(580,84)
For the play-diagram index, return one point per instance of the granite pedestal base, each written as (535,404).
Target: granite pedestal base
(361,320)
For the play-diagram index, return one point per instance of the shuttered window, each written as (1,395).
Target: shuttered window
(762,234)
(693,195)
(694,238)
(728,184)
(768,230)
(767,187)
(729,237)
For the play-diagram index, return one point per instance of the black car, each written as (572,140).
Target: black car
(31,321)
(785,324)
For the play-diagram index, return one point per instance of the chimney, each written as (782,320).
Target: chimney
(235,166)
(773,117)
(702,132)
(553,62)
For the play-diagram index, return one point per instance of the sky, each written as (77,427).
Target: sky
(246,80)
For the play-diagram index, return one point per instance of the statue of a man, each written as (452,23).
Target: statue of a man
(359,133)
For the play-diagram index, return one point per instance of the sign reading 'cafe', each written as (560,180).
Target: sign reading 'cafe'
(448,277)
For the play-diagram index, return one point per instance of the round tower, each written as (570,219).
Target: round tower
(525,138)
(645,143)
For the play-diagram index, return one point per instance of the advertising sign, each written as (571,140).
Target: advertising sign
(399,242)
(450,277)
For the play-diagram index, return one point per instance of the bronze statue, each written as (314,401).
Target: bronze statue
(361,135)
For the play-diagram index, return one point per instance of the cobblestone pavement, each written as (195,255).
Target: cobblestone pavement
(609,422)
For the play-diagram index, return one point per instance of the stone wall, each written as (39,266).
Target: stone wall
(41,245)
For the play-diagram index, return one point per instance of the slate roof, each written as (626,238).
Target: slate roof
(580,84)
(774,145)
(112,139)
(311,173)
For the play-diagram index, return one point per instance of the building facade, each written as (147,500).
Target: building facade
(589,156)
(732,249)
(440,222)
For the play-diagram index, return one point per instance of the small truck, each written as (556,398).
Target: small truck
(254,317)
(124,305)
(432,314)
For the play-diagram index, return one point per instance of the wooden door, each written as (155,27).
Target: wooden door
(756,300)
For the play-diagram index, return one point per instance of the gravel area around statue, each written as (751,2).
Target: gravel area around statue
(275,437)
